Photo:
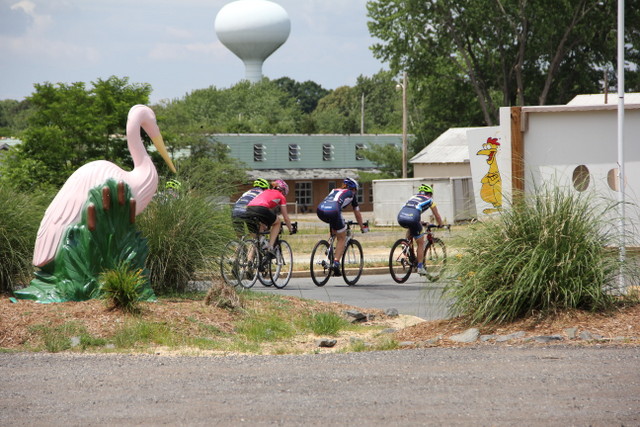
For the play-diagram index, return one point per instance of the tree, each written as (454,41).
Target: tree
(338,112)
(506,52)
(69,126)
(246,107)
(387,157)
(306,94)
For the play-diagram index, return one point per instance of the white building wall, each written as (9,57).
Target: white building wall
(390,195)
(558,139)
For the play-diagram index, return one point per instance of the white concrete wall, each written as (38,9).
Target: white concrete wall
(390,195)
(558,139)
(437,170)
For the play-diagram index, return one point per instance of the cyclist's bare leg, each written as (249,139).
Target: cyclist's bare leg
(341,237)
(275,230)
(421,243)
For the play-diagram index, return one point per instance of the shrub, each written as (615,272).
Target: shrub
(185,233)
(122,287)
(544,255)
(20,216)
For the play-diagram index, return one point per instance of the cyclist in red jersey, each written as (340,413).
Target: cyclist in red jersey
(265,207)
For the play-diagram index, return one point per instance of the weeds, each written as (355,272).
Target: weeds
(545,255)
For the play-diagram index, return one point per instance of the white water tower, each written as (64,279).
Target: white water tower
(252,30)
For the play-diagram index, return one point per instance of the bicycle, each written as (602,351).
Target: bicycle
(247,260)
(403,260)
(351,264)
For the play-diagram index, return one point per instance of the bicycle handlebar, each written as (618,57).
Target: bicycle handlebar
(432,226)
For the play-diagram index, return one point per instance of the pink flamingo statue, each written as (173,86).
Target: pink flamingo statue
(66,207)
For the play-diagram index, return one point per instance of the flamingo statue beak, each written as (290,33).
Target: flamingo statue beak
(159,143)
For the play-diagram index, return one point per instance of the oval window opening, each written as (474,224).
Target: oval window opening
(612,179)
(581,178)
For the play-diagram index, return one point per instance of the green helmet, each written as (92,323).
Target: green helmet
(424,188)
(261,183)
(173,184)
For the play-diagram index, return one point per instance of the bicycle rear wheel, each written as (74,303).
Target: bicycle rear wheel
(263,269)
(281,267)
(248,262)
(321,263)
(435,259)
(352,262)
(228,262)
(400,262)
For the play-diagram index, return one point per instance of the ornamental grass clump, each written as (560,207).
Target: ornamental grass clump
(186,234)
(122,288)
(544,255)
(20,215)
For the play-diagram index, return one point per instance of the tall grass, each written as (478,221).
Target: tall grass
(122,288)
(185,235)
(20,216)
(544,255)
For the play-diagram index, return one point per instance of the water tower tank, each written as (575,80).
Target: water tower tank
(252,30)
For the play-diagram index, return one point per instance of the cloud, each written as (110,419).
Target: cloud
(178,51)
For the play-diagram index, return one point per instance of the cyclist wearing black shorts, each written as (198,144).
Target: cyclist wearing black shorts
(238,213)
(330,211)
(409,218)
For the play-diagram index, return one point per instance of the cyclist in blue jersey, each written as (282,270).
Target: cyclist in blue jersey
(240,207)
(330,211)
(409,218)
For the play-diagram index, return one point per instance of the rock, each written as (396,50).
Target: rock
(392,312)
(588,336)
(75,341)
(571,333)
(470,335)
(548,338)
(485,338)
(513,336)
(356,315)
(327,342)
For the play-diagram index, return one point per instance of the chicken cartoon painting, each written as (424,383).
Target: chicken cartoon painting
(491,190)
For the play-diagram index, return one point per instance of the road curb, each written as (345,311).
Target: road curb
(366,271)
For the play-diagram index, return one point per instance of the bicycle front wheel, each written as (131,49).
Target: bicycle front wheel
(352,262)
(248,262)
(228,262)
(281,267)
(400,262)
(435,259)
(321,263)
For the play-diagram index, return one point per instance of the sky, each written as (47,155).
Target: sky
(172,44)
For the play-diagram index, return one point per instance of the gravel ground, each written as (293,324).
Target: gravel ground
(530,386)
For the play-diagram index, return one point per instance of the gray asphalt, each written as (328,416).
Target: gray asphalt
(416,297)
(484,386)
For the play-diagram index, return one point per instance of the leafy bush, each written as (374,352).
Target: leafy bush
(186,233)
(123,287)
(544,255)
(20,216)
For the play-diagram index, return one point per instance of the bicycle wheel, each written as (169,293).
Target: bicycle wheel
(247,265)
(400,262)
(228,262)
(352,262)
(281,267)
(263,269)
(435,259)
(321,263)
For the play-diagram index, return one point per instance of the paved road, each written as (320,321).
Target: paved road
(485,386)
(416,297)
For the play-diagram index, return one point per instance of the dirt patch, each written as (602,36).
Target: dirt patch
(17,321)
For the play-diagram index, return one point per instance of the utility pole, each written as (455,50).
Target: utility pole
(404,124)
